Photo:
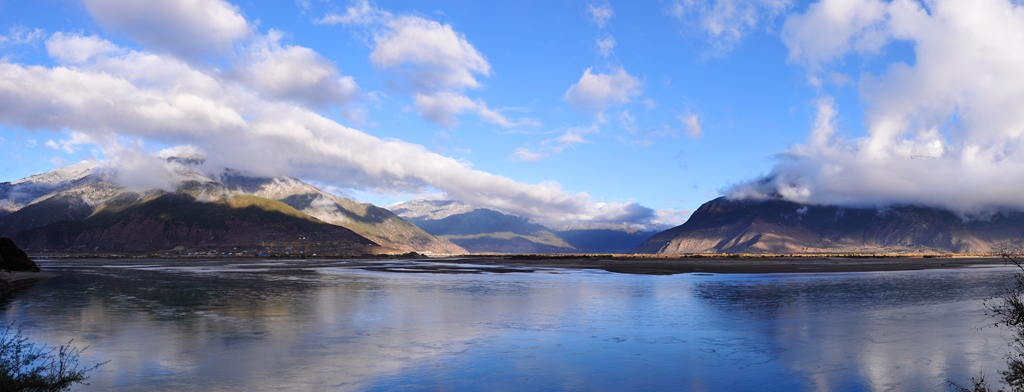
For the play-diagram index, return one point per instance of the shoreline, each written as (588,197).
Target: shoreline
(13,280)
(720,265)
(627,264)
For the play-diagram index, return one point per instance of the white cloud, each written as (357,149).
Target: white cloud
(138,170)
(74,49)
(189,29)
(19,35)
(296,73)
(549,147)
(600,14)
(946,131)
(573,136)
(119,101)
(360,13)
(596,92)
(525,155)
(444,106)
(194,30)
(431,56)
(431,60)
(606,46)
(726,22)
(692,124)
(70,144)
(670,218)
(830,29)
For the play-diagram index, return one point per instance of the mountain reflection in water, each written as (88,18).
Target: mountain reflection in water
(324,325)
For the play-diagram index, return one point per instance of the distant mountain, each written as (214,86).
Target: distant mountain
(777,226)
(378,224)
(605,240)
(79,208)
(482,230)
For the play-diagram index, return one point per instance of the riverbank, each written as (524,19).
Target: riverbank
(669,265)
(629,264)
(13,280)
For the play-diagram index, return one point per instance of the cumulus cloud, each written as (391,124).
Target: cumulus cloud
(596,92)
(189,29)
(600,14)
(429,55)
(195,31)
(945,131)
(71,143)
(726,22)
(831,29)
(432,60)
(72,48)
(120,99)
(296,73)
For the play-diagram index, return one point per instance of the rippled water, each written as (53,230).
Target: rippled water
(321,325)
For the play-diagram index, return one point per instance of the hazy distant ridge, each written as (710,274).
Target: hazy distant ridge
(483,230)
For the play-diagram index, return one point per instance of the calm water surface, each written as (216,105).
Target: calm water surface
(321,325)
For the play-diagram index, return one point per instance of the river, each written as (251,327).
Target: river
(249,325)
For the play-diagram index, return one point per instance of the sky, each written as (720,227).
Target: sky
(564,112)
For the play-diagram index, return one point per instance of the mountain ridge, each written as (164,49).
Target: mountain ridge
(777,226)
(483,230)
(70,202)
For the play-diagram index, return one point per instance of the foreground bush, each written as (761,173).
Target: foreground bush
(27,366)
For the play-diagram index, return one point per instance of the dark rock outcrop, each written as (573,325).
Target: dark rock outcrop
(14,259)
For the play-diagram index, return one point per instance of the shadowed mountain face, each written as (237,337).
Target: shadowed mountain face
(80,209)
(776,226)
(600,240)
(175,221)
(482,230)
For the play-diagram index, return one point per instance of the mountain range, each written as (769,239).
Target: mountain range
(482,230)
(82,208)
(778,226)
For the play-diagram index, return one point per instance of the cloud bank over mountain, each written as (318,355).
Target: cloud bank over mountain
(244,100)
(944,129)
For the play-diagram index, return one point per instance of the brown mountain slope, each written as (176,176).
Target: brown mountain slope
(133,222)
(378,224)
(776,226)
(74,193)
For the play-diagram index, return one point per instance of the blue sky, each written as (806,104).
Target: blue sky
(562,111)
